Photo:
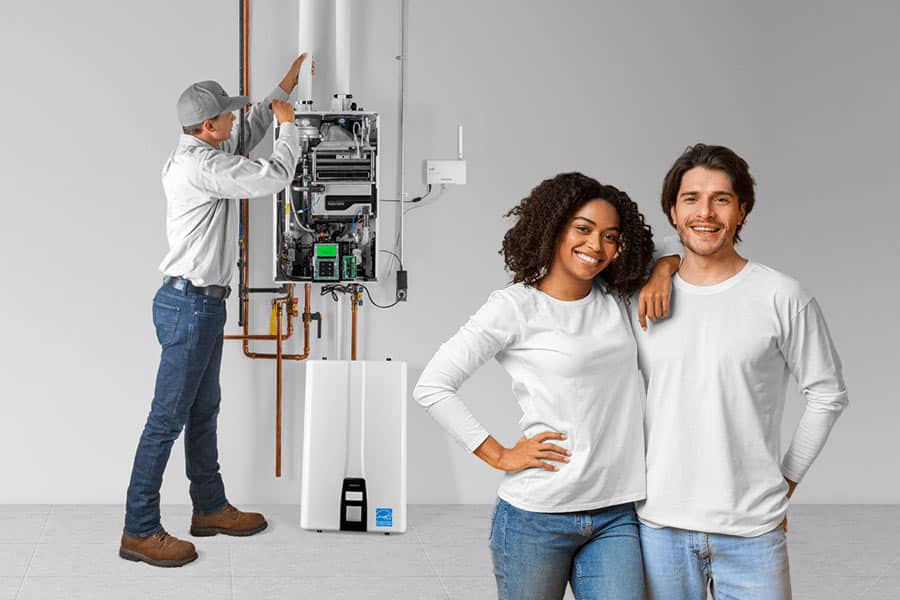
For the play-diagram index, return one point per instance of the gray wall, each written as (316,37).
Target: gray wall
(806,91)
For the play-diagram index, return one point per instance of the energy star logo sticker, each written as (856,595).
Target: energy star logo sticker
(384,517)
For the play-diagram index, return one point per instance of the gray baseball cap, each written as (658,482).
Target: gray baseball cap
(206,100)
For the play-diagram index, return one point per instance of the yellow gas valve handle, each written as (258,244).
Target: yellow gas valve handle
(273,322)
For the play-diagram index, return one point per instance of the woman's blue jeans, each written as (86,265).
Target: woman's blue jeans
(190,329)
(597,551)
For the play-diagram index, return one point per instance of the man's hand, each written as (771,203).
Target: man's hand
(792,485)
(527,453)
(284,112)
(290,78)
(653,301)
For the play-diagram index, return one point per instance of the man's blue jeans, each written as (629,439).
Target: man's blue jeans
(190,329)
(536,554)
(680,564)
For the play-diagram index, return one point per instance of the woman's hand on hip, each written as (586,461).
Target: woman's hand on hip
(533,452)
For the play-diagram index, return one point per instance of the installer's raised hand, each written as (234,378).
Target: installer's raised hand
(293,73)
(284,112)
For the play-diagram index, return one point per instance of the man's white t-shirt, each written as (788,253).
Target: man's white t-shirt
(717,372)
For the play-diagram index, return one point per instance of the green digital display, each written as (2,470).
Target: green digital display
(326,250)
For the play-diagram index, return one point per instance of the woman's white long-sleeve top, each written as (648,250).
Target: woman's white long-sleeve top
(574,370)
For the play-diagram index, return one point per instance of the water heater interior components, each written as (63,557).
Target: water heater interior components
(326,221)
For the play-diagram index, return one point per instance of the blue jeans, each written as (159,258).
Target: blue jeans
(679,565)
(597,551)
(190,329)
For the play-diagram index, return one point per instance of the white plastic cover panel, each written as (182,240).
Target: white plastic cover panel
(354,428)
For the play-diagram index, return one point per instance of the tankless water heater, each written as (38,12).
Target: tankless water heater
(354,446)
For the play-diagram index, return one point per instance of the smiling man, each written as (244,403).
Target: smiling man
(717,372)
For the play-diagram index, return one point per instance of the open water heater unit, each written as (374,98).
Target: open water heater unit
(326,220)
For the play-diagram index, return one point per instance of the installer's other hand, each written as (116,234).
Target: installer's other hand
(293,73)
(284,112)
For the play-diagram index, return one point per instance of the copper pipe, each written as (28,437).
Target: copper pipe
(306,322)
(292,310)
(353,310)
(261,336)
(279,356)
(246,57)
(244,244)
(244,253)
(245,267)
(245,204)
(278,310)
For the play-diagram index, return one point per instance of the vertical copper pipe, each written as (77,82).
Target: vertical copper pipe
(245,268)
(307,314)
(292,310)
(353,303)
(307,318)
(278,314)
(244,251)
(245,204)
(246,57)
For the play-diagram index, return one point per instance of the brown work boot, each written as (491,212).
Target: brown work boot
(229,521)
(159,549)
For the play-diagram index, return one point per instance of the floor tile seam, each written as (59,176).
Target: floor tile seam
(340,576)
(465,529)
(481,539)
(878,579)
(230,569)
(21,584)
(415,536)
(33,553)
(336,544)
(434,569)
(125,577)
(46,522)
(324,574)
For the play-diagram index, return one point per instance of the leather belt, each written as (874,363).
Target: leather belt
(213,291)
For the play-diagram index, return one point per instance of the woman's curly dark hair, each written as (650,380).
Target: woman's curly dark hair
(530,245)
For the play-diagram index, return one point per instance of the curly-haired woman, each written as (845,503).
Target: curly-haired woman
(578,251)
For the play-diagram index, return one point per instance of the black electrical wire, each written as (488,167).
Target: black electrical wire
(373,303)
(414,200)
(333,289)
(395,256)
(345,289)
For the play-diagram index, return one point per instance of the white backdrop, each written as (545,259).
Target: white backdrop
(807,92)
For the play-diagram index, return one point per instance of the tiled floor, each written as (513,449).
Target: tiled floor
(70,552)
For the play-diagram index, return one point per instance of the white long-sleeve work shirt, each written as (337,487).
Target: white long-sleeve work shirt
(202,186)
